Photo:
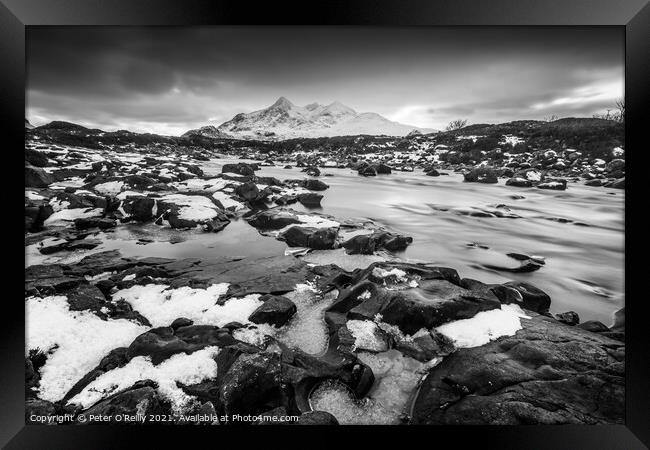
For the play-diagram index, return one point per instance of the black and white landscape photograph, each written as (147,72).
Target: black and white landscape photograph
(324,225)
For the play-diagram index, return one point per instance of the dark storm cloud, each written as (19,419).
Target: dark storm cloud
(171,79)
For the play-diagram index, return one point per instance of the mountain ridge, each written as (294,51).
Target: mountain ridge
(285,120)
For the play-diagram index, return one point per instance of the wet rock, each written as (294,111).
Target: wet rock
(569,318)
(556,185)
(481,175)
(530,297)
(594,326)
(317,418)
(431,304)
(312,171)
(70,245)
(272,219)
(546,373)
(247,191)
(141,209)
(425,348)
(316,238)
(94,222)
(367,244)
(276,310)
(526,264)
(48,279)
(434,299)
(519,182)
(159,344)
(86,297)
(251,385)
(267,275)
(162,342)
(310,199)
(36,158)
(36,177)
(314,185)
(618,184)
(615,165)
(239,168)
(180,322)
(137,400)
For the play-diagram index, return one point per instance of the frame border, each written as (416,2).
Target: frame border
(633,15)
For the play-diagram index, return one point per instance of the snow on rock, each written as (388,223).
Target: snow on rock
(398,274)
(76,341)
(484,327)
(65,216)
(199,184)
(110,187)
(316,221)
(161,305)
(31,195)
(180,368)
(193,207)
(227,201)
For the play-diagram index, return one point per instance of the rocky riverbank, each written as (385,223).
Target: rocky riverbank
(283,335)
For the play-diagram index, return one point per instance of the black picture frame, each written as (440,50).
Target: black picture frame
(633,15)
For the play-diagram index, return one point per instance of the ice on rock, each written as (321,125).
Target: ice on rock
(367,335)
(396,380)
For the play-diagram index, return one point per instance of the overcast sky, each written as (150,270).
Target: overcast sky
(167,80)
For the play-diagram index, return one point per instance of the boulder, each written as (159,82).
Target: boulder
(36,177)
(569,318)
(481,175)
(316,238)
(247,191)
(547,373)
(310,199)
(519,182)
(277,310)
(272,219)
(239,169)
(314,185)
(556,185)
(529,297)
(36,158)
(94,222)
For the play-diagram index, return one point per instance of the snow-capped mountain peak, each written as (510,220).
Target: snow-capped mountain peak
(285,120)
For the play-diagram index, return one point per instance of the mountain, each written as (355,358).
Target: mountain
(28,125)
(284,120)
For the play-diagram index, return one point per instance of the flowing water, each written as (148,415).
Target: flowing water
(580,232)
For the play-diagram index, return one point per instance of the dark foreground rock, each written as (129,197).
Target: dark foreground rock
(481,175)
(276,310)
(547,373)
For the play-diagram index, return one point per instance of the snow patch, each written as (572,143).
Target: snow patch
(76,340)
(180,368)
(484,327)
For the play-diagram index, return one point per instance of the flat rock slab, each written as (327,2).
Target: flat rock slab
(269,275)
(547,373)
